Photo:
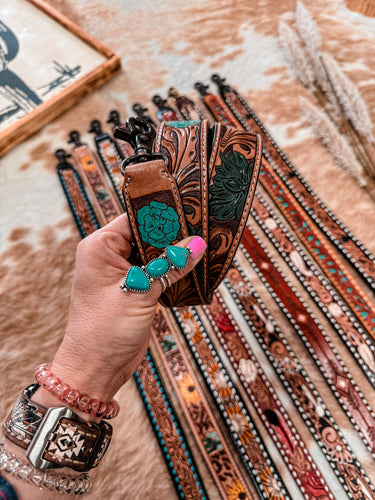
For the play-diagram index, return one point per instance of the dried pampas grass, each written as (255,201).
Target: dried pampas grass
(295,56)
(348,95)
(336,143)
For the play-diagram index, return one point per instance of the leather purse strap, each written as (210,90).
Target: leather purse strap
(208,182)
(157,218)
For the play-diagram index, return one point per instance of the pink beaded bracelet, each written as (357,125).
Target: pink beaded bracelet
(72,397)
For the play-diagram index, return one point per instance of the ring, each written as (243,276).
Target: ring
(163,283)
(168,280)
(139,279)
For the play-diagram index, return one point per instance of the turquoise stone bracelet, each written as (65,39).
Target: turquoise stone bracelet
(139,279)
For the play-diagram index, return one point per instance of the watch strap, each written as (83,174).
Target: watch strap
(56,437)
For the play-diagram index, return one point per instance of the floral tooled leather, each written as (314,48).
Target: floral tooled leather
(209,191)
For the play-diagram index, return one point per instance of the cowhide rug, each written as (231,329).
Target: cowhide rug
(161,44)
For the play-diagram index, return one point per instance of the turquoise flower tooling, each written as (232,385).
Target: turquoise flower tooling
(158,224)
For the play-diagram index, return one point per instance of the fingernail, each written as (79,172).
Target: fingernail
(197,246)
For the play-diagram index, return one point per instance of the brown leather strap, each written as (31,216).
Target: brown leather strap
(208,181)
(157,218)
(186,150)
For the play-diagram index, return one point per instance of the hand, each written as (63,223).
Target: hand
(108,331)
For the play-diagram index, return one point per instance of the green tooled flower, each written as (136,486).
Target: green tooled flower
(230,186)
(158,224)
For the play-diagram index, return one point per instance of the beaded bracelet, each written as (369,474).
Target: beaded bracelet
(66,485)
(72,397)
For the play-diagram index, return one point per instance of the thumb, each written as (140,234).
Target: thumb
(195,246)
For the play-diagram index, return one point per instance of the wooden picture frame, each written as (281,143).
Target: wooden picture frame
(23,109)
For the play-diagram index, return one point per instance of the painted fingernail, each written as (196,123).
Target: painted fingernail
(197,246)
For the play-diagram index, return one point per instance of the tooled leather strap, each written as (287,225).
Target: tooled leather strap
(77,199)
(241,427)
(233,173)
(301,388)
(103,201)
(110,157)
(209,438)
(71,443)
(157,218)
(318,287)
(340,236)
(268,405)
(316,243)
(329,362)
(216,188)
(186,150)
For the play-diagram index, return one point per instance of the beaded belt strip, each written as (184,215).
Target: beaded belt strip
(197,411)
(298,384)
(325,296)
(161,413)
(110,156)
(334,229)
(103,201)
(267,404)
(320,347)
(242,429)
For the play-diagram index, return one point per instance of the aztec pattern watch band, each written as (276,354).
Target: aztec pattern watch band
(56,441)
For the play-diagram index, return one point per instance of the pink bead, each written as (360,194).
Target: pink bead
(42,372)
(83,403)
(72,398)
(60,390)
(50,382)
(93,406)
(101,410)
(113,409)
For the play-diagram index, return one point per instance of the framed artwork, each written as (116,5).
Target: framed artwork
(47,64)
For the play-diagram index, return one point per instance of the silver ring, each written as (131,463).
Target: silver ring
(163,283)
(168,280)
